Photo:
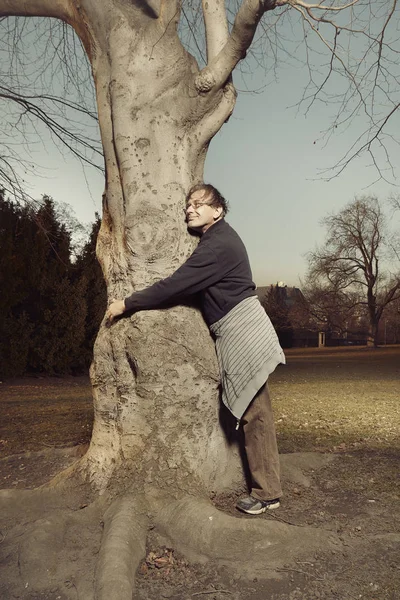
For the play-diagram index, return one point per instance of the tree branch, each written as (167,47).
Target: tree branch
(322,6)
(216,24)
(60,9)
(250,12)
(218,70)
(391,294)
(368,76)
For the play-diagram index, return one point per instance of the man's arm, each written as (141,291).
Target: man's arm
(201,270)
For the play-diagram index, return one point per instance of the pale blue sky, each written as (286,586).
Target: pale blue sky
(267,164)
(266,161)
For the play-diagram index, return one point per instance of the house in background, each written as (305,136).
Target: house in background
(288,310)
(300,325)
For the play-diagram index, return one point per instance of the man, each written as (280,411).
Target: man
(246,343)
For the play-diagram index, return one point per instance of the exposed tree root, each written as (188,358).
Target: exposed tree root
(199,531)
(202,532)
(298,466)
(122,548)
(49,541)
(52,539)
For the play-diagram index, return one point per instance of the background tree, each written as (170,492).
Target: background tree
(354,267)
(154,375)
(290,314)
(55,306)
(330,309)
(50,304)
(16,233)
(389,331)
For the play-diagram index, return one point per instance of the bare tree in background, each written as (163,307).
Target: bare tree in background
(330,308)
(157,434)
(46,95)
(356,266)
(394,201)
(390,324)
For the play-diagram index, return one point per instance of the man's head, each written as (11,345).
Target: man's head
(204,206)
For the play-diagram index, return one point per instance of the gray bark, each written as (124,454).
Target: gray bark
(154,375)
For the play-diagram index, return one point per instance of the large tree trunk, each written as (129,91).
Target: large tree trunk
(154,374)
(373,333)
(373,314)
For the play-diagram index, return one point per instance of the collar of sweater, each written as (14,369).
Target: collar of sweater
(214,229)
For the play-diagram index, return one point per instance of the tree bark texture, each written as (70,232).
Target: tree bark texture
(154,374)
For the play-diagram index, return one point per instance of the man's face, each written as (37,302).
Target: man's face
(199,214)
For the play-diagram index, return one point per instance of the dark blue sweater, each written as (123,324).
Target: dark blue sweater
(218,269)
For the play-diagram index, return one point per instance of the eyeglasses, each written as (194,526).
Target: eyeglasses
(195,206)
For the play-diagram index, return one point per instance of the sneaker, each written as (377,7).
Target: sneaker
(253,506)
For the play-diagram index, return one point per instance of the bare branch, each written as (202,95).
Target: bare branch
(191,30)
(377,130)
(60,9)
(373,76)
(216,73)
(322,5)
(216,24)
(49,84)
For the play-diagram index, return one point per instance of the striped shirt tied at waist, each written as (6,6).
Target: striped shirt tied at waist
(248,351)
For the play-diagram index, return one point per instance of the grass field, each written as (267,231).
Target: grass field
(46,412)
(338,399)
(327,399)
(345,401)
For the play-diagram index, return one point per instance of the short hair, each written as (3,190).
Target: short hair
(217,198)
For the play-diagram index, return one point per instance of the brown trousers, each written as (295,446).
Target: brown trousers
(261,447)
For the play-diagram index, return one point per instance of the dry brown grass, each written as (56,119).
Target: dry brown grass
(338,399)
(48,412)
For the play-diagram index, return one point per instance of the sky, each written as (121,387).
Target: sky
(266,161)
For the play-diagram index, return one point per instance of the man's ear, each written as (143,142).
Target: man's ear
(219,209)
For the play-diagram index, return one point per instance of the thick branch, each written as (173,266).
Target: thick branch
(219,68)
(216,24)
(248,16)
(391,295)
(60,9)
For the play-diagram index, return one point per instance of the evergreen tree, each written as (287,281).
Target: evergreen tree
(59,310)
(42,304)
(16,237)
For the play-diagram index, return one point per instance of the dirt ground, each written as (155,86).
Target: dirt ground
(337,410)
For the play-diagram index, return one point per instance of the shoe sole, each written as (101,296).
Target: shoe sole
(260,510)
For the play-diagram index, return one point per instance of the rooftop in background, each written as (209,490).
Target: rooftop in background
(292,293)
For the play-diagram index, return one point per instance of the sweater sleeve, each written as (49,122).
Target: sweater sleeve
(201,270)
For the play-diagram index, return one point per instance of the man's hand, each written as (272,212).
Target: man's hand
(115,309)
